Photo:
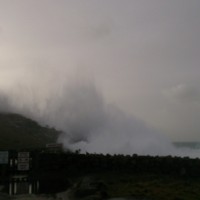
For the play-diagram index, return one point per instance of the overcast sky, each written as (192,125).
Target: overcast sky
(143,55)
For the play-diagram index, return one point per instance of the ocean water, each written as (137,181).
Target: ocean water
(189,145)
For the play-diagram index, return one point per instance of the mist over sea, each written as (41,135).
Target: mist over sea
(189,145)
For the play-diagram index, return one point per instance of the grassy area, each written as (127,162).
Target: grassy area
(151,186)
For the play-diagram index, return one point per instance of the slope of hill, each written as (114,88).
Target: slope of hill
(18,132)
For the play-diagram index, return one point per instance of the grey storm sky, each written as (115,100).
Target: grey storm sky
(144,55)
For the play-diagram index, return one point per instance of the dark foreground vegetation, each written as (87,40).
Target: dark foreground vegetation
(95,175)
(114,176)
(133,176)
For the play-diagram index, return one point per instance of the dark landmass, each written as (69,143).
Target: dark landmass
(18,132)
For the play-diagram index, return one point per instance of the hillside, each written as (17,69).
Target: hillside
(18,132)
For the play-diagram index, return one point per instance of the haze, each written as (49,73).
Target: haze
(83,66)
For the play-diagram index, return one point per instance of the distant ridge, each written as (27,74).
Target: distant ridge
(19,132)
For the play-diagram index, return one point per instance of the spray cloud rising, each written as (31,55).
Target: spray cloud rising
(77,108)
(143,56)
